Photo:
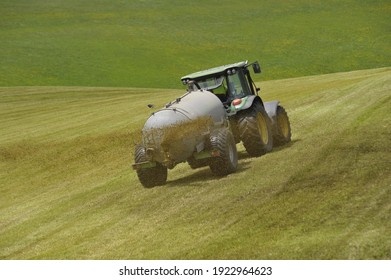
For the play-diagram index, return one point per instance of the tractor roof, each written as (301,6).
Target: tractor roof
(214,71)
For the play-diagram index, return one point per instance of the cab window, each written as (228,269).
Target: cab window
(238,87)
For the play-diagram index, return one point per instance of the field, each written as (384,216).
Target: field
(151,44)
(75,79)
(68,191)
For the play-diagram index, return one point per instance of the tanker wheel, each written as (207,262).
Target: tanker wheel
(149,177)
(255,130)
(194,163)
(223,144)
(283,127)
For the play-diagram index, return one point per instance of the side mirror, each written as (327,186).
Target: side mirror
(256,67)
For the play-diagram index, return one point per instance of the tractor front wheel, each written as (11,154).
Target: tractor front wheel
(283,127)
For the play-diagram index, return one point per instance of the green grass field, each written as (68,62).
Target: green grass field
(75,79)
(151,44)
(68,191)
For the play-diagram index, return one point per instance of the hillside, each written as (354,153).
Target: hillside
(68,192)
(151,43)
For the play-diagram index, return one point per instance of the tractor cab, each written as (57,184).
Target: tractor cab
(230,83)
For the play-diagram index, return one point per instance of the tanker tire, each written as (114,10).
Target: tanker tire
(194,163)
(283,127)
(149,177)
(223,142)
(255,130)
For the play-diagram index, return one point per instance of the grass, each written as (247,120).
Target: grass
(151,44)
(75,78)
(68,191)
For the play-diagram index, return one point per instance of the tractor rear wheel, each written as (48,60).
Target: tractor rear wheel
(283,127)
(149,177)
(255,130)
(223,146)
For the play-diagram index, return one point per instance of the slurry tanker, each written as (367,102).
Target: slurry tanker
(221,108)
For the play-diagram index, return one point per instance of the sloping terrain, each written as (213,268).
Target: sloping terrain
(68,191)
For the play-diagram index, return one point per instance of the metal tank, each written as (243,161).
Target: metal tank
(172,134)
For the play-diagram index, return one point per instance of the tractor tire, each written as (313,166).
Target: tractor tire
(283,127)
(149,177)
(255,130)
(223,143)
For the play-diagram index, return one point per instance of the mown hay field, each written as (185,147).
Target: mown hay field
(68,191)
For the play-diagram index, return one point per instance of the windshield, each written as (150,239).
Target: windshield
(211,83)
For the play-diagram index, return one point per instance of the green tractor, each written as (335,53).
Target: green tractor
(259,125)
